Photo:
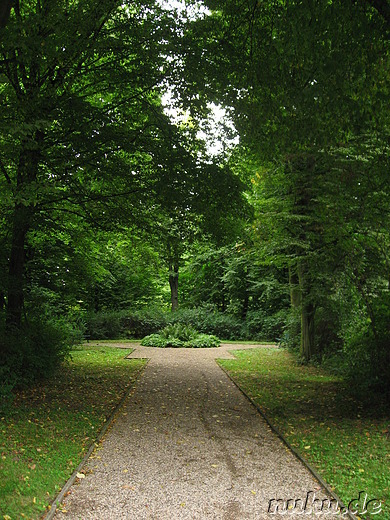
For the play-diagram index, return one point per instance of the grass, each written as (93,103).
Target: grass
(345,439)
(48,429)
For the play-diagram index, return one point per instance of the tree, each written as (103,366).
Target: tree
(81,117)
(304,82)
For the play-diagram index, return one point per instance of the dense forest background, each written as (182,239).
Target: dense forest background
(125,204)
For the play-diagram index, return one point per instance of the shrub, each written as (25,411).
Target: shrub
(132,323)
(154,340)
(203,341)
(180,331)
(178,335)
(208,320)
(262,326)
(105,325)
(33,353)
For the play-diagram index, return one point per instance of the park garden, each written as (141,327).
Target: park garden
(213,169)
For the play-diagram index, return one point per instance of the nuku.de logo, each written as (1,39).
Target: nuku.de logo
(312,505)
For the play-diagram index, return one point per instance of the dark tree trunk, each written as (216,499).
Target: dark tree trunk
(307,332)
(16,267)
(174,285)
(23,213)
(307,316)
(5,9)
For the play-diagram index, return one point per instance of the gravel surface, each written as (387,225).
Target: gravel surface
(187,444)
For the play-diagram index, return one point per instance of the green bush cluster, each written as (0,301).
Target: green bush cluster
(177,335)
(260,326)
(131,323)
(208,320)
(33,353)
(138,323)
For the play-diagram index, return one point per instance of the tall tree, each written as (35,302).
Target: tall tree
(81,118)
(304,80)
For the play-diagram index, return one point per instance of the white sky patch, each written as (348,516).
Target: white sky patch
(217,131)
(189,10)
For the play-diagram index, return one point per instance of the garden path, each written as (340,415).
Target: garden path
(188,445)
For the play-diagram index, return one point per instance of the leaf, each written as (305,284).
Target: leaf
(80,475)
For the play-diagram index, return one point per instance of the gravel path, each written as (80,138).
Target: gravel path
(188,445)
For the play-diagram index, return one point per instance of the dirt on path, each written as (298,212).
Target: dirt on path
(188,445)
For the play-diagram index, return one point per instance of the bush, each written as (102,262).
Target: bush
(105,325)
(137,323)
(368,362)
(178,335)
(132,323)
(154,340)
(261,326)
(179,331)
(208,320)
(203,341)
(33,353)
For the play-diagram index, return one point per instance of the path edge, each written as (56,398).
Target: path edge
(49,515)
(313,471)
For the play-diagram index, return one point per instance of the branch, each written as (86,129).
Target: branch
(77,200)
(5,173)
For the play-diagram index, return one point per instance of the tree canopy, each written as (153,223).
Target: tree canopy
(100,188)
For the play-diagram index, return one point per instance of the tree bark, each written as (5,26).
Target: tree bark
(174,285)
(307,332)
(16,267)
(295,291)
(307,315)
(23,213)
(5,9)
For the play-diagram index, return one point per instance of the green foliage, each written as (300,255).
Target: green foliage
(367,356)
(156,340)
(178,335)
(33,353)
(130,323)
(203,341)
(208,320)
(260,326)
(178,330)
(137,323)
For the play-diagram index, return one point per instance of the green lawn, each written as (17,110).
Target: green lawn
(346,440)
(48,429)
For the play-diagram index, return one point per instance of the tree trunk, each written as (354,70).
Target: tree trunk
(174,285)
(307,315)
(307,332)
(5,9)
(15,298)
(23,213)
(295,290)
